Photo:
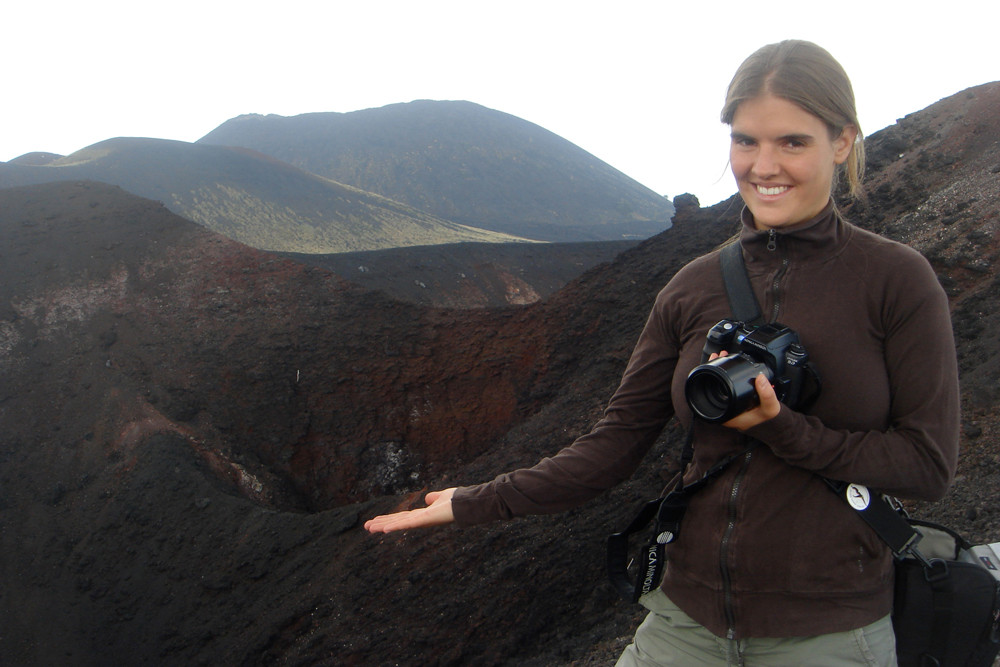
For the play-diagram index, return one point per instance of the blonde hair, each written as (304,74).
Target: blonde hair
(807,75)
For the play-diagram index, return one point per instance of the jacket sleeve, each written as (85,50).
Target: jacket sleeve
(606,456)
(916,456)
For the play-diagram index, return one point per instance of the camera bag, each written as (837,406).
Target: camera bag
(946,599)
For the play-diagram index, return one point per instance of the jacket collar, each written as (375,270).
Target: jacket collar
(822,237)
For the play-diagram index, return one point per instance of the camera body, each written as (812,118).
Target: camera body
(723,388)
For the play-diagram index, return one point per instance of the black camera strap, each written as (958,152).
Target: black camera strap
(742,301)
(668,511)
(743,305)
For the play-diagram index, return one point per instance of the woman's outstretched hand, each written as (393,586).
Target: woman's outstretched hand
(437,513)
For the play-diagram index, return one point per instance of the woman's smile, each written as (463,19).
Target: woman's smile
(775,190)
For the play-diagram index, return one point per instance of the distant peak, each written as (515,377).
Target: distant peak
(35,159)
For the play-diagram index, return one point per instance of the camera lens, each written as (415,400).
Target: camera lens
(723,388)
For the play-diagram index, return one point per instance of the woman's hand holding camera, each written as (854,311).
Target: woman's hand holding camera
(767,408)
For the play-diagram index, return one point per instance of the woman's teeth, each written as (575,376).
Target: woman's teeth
(776,190)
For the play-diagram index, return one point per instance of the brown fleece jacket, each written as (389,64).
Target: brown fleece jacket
(767,550)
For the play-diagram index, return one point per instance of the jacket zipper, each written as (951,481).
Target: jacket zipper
(735,652)
(772,246)
(727,582)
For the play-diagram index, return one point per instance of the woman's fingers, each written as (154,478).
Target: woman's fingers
(437,512)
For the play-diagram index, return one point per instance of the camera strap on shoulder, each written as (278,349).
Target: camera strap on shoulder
(742,301)
(743,305)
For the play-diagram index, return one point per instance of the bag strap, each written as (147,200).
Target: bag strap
(891,527)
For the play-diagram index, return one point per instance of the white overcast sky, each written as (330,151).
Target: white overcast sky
(639,83)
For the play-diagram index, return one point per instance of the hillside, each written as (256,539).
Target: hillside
(248,197)
(35,159)
(463,162)
(192,430)
(469,275)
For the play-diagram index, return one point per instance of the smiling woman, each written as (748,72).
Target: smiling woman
(772,568)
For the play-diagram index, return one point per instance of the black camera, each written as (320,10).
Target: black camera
(720,389)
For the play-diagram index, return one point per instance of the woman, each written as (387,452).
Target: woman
(772,568)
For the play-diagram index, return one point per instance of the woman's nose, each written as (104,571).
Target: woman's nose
(766,163)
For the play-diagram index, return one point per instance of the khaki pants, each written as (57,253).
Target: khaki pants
(669,637)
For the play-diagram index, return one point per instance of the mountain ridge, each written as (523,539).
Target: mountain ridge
(464,162)
(502,180)
(250,197)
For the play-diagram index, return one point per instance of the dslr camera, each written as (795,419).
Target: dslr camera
(720,389)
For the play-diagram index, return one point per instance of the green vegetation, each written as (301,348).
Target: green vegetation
(355,226)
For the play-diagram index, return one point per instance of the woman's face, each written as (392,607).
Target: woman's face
(783,160)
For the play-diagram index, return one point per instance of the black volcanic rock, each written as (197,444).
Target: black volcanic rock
(191,430)
(686,200)
(469,275)
(463,162)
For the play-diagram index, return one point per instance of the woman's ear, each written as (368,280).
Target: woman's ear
(843,144)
